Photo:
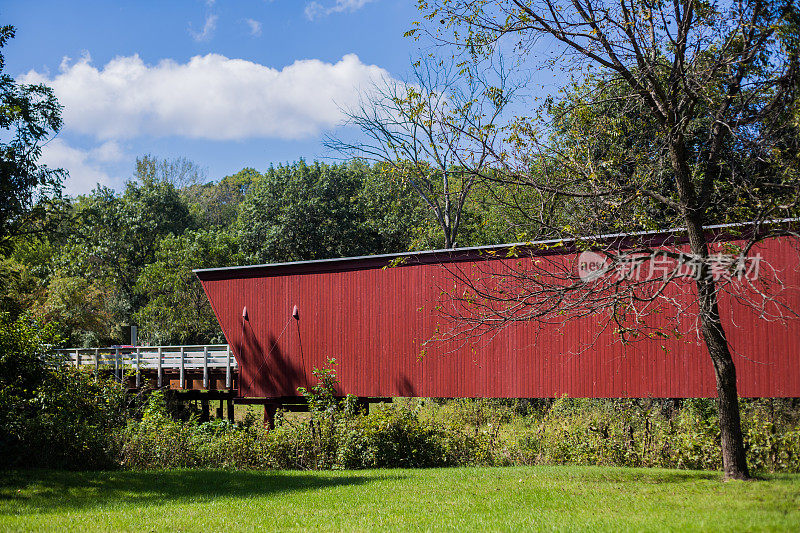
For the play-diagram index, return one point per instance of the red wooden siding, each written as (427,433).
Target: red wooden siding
(374,321)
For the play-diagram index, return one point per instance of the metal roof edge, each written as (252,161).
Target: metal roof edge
(444,251)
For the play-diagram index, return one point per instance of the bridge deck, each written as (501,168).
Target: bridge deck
(214,362)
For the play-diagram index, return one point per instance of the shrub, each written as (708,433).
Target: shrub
(52,415)
(390,437)
(158,441)
(772,435)
(415,433)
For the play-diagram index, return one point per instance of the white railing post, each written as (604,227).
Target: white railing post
(160,375)
(182,376)
(228,366)
(205,367)
(140,363)
(138,367)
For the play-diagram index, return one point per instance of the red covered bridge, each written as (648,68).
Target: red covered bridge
(375,321)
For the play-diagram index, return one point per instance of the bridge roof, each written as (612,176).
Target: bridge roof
(541,247)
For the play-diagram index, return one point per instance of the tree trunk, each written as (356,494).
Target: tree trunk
(734,460)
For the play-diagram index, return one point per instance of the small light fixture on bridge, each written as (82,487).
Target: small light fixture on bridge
(244,312)
(296,313)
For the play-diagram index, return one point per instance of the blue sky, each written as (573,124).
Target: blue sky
(226,84)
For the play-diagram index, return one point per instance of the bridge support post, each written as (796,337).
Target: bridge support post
(269,415)
(230,409)
(364,405)
(204,410)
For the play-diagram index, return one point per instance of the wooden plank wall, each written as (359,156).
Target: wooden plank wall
(376,321)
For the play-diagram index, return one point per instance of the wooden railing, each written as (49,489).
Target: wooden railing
(156,359)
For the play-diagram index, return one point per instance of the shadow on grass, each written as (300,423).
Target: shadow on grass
(615,474)
(35,491)
(656,477)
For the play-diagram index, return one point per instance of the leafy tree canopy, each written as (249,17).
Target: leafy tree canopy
(302,211)
(216,204)
(177,310)
(29,114)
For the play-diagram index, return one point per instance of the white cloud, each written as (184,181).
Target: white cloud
(208,29)
(108,152)
(85,166)
(315,9)
(255,27)
(209,97)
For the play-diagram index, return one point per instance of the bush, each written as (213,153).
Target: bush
(416,433)
(390,437)
(772,435)
(75,419)
(412,434)
(157,441)
(52,415)
(79,416)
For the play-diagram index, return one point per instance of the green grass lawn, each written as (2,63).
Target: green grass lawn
(519,498)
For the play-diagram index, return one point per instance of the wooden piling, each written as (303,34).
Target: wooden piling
(269,415)
(204,410)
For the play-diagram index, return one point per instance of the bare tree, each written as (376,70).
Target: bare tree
(715,84)
(181,172)
(432,131)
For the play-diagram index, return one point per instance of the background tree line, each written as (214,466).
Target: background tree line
(116,259)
